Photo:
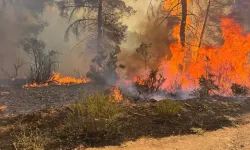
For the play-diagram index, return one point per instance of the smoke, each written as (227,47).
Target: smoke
(161,38)
(26,18)
(150,34)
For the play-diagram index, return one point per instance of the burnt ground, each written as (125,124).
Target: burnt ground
(23,101)
(47,107)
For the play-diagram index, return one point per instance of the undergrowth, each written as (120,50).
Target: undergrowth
(29,137)
(168,108)
(94,118)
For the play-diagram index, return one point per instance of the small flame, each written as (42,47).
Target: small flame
(117,94)
(139,80)
(56,79)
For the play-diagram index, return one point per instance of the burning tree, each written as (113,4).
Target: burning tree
(42,62)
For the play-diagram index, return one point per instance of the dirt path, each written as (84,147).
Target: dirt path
(224,139)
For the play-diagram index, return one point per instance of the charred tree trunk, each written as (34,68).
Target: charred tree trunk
(205,22)
(100,24)
(183,22)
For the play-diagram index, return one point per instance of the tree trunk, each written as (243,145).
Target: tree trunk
(204,24)
(100,24)
(183,22)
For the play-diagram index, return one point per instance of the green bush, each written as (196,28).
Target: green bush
(168,108)
(95,116)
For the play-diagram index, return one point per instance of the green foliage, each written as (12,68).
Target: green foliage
(167,108)
(42,63)
(239,90)
(95,115)
(152,83)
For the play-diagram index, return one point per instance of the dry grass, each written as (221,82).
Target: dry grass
(31,138)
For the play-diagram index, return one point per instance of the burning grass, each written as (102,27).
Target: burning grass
(56,79)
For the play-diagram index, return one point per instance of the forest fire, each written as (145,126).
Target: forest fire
(56,79)
(229,62)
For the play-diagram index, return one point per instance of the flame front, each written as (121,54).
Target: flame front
(56,79)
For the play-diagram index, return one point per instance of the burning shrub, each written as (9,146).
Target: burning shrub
(239,90)
(94,116)
(152,83)
(168,108)
(42,62)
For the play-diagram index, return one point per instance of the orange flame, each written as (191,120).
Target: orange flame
(118,97)
(56,79)
(138,80)
(230,62)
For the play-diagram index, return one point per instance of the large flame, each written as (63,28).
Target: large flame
(229,62)
(56,79)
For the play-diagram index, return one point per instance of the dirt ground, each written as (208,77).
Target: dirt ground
(225,122)
(234,138)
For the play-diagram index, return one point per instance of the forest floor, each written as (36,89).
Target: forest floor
(215,123)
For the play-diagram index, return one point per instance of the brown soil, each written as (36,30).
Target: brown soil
(222,139)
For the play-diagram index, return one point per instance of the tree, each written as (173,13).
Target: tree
(145,54)
(42,62)
(103,29)
(17,66)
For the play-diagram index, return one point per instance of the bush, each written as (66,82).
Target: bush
(152,83)
(168,108)
(239,90)
(94,116)
(207,86)
(42,60)
(31,138)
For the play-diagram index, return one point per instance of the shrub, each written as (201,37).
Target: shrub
(95,116)
(152,83)
(42,60)
(168,108)
(31,138)
(239,90)
(207,86)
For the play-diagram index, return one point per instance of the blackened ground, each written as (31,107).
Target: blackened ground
(22,101)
